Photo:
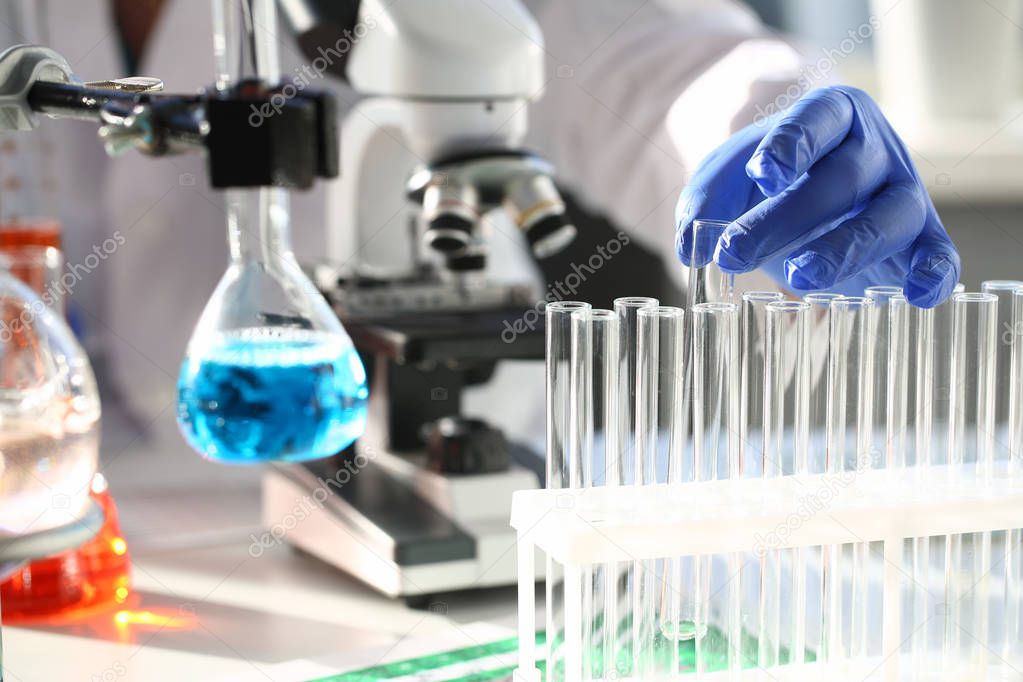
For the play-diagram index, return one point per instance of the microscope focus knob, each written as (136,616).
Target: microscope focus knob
(457,445)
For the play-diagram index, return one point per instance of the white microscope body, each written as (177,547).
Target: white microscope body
(435,140)
(440,80)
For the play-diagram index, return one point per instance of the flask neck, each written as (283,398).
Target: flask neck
(258,230)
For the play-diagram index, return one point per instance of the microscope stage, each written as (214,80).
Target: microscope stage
(383,523)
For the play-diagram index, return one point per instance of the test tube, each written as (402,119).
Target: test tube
(1003,289)
(849,427)
(820,305)
(753,390)
(595,341)
(662,404)
(563,463)
(1016,383)
(716,446)
(787,429)
(923,423)
(890,429)
(971,440)
(1013,576)
(603,390)
(707,282)
(891,373)
(640,611)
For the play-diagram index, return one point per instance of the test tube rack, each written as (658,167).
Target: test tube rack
(586,527)
(739,552)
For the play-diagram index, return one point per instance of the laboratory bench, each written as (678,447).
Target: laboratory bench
(207,604)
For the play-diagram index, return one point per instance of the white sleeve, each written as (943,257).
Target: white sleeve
(637,97)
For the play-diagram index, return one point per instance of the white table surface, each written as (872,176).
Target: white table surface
(231,614)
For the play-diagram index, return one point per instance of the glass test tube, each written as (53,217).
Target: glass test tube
(563,464)
(1013,576)
(891,376)
(595,398)
(753,389)
(820,345)
(971,440)
(601,647)
(890,432)
(787,429)
(931,329)
(663,430)
(640,610)
(1004,290)
(849,415)
(922,415)
(707,282)
(716,446)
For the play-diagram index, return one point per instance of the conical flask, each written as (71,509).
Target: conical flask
(270,373)
(49,415)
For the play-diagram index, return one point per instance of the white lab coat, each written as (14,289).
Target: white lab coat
(639,92)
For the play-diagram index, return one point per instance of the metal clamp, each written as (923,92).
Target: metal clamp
(21,67)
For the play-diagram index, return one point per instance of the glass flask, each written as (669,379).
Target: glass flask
(49,415)
(270,373)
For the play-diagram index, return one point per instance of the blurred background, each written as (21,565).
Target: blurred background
(144,241)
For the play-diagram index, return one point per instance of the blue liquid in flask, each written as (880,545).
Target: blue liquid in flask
(273,394)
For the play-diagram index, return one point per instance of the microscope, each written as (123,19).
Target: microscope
(421,504)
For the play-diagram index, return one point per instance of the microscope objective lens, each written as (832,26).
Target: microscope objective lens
(273,394)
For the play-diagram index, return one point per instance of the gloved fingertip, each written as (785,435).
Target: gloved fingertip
(771,176)
(683,246)
(931,282)
(809,271)
(796,279)
(728,262)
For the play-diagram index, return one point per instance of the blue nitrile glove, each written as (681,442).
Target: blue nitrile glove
(823,196)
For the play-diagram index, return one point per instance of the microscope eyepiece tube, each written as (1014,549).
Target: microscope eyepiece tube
(536,207)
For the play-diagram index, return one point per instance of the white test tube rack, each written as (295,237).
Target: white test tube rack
(580,528)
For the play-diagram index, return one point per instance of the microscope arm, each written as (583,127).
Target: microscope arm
(253,136)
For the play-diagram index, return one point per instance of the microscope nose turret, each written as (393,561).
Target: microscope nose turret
(456,191)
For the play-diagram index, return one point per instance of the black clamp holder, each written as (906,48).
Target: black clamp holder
(253,135)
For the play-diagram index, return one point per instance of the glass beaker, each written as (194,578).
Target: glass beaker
(49,414)
(270,373)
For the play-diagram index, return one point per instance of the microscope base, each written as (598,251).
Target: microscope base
(381,523)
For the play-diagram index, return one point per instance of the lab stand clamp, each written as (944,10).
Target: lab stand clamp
(291,142)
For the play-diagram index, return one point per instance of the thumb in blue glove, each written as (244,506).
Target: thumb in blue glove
(824,197)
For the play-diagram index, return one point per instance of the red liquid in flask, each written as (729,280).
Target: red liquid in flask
(95,575)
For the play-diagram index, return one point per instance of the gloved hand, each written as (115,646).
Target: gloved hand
(823,197)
